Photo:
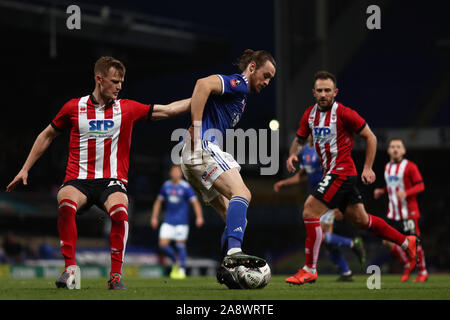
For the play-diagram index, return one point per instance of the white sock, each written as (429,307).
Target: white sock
(405,244)
(349,272)
(233,250)
(310,270)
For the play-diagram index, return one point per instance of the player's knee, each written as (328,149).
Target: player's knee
(244,193)
(163,242)
(180,245)
(308,214)
(248,195)
(360,220)
(310,211)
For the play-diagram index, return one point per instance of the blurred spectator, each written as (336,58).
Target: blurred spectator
(46,251)
(12,249)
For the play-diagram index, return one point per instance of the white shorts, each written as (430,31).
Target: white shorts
(328,217)
(202,176)
(177,232)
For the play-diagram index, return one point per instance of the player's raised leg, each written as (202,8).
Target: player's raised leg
(69,200)
(358,215)
(117,207)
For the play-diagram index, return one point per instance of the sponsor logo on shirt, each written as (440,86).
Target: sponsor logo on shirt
(393,179)
(100,127)
(321,133)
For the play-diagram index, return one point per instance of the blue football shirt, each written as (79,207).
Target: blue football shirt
(177,198)
(224,111)
(310,162)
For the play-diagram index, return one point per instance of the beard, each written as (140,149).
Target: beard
(325,104)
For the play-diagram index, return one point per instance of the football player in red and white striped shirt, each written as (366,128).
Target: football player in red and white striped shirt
(100,127)
(403,183)
(332,126)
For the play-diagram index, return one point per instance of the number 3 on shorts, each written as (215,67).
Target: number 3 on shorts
(325,181)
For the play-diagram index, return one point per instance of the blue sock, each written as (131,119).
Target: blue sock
(335,255)
(168,251)
(332,238)
(236,221)
(182,253)
(223,240)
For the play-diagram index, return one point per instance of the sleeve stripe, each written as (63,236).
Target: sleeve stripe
(150,112)
(362,127)
(223,84)
(55,127)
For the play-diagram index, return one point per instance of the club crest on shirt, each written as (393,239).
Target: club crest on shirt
(333,118)
(235,82)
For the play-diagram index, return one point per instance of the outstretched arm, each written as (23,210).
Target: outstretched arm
(295,179)
(164,111)
(42,142)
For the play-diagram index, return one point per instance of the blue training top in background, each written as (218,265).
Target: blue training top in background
(309,160)
(178,198)
(224,111)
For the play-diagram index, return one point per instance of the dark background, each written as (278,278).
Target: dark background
(397,77)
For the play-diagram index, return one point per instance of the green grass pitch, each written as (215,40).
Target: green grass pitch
(206,288)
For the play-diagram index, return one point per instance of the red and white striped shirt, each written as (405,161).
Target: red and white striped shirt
(100,136)
(403,176)
(332,133)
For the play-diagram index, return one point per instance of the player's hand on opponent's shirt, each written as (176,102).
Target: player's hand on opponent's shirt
(368,176)
(21,176)
(290,163)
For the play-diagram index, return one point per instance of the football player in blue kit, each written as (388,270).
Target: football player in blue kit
(177,194)
(218,102)
(311,170)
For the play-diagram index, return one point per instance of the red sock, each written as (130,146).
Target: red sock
(400,254)
(312,242)
(422,266)
(67,229)
(380,228)
(118,236)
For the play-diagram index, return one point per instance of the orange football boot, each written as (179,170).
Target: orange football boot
(421,277)
(301,277)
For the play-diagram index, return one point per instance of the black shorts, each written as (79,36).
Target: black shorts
(96,190)
(337,191)
(409,227)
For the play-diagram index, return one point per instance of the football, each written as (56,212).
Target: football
(253,278)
